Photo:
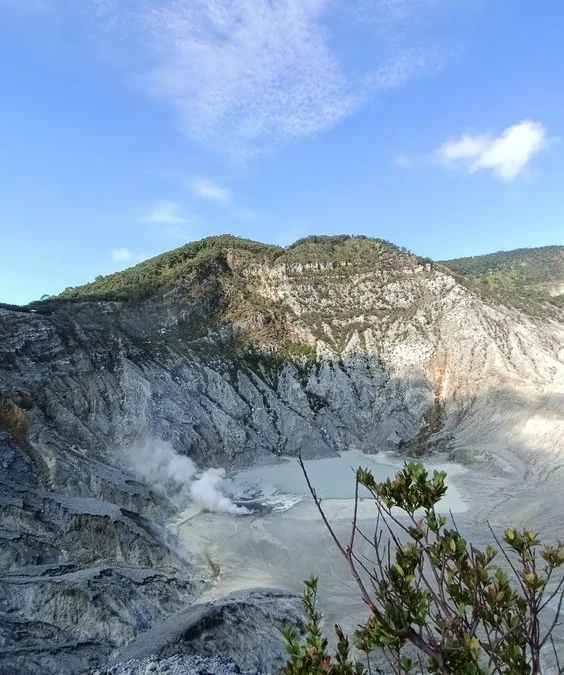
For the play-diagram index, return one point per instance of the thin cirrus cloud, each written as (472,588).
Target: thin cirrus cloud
(124,255)
(505,155)
(210,190)
(121,254)
(247,76)
(387,11)
(165,213)
(172,220)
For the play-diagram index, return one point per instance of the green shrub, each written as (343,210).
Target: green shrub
(311,656)
(436,603)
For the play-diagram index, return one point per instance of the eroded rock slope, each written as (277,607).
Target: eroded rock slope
(232,351)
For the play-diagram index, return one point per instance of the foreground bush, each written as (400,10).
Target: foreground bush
(436,603)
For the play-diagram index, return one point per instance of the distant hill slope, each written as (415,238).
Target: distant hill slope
(530,271)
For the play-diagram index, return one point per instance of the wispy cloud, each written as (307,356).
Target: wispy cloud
(387,11)
(404,161)
(210,190)
(124,255)
(165,213)
(506,154)
(247,75)
(404,66)
(121,254)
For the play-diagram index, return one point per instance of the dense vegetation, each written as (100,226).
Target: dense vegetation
(527,271)
(534,265)
(436,603)
(172,268)
(358,251)
(221,266)
(207,256)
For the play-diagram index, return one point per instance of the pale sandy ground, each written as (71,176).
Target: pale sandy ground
(281,549)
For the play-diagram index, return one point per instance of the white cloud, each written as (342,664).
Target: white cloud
(386,11)
(506,155)
(121,254)
(125,256)
(466,147)
(404,161)
(210,190)
(410,63)
(165,213)
(213,191)
(247,75)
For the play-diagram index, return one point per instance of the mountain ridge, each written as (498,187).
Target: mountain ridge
(172,266)
(538,265)
(507,276)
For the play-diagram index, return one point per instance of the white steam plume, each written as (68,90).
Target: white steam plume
(206,490)
(157,464)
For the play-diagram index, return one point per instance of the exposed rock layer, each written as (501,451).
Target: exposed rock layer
(251,355)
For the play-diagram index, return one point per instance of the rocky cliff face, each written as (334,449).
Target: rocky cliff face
(243,353)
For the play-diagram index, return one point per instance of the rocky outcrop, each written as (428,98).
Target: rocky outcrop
(179,664)
(246,359)
(244,628)
(79,575)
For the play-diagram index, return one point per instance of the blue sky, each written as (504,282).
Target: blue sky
(130,127)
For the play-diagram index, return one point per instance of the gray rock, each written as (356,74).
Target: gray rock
(244,628)
(173,665)
(397,357)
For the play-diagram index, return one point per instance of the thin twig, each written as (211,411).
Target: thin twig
(556,658)
(554,621)
(355,514)
(507,558)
